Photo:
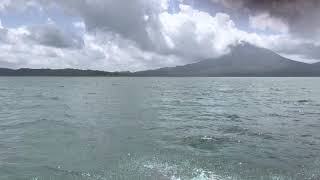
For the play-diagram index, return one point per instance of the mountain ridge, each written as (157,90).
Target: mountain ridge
(243,60)
(56,72)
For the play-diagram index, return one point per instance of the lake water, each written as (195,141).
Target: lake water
(159,128)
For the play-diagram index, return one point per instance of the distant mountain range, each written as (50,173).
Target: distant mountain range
(56,72)
(243,60)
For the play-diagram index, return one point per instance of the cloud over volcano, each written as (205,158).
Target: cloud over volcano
(302,16)
(142,34)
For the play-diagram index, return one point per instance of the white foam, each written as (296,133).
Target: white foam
(171,172)
(206,138)
(206,175)
(201,175)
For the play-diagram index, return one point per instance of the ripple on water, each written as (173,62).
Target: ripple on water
(57,173)
(233,117)
(304,101)
(246,131)
(55,98)
(234,130)
(34,123)
(306,135)
(207,142)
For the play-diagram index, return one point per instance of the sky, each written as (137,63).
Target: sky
(133,35)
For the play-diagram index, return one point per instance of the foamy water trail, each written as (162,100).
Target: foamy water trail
(175,172)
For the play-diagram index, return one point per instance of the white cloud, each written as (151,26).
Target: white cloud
(196,34)
(235,4)
(11,5)
(79,24)
(50,21)
(101,50)
(264,22)
(300,57)
(4,4)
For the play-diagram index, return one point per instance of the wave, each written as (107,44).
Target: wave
(304,101)
(207,142)
(33,123)
(57,173)
(185,171)
(202,175)
(55,98)
(174,172)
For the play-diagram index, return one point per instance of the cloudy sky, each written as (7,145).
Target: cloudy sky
(121,35)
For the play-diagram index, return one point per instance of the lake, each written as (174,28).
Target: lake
(159,128)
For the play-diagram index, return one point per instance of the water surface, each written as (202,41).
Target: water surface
(159,128)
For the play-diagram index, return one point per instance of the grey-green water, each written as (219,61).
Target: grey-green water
(159,128)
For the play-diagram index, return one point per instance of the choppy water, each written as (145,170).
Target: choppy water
(159,128)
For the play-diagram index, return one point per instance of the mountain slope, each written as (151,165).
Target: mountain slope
(244,60)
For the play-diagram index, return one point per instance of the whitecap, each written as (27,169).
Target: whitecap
(174,172)
(208,138)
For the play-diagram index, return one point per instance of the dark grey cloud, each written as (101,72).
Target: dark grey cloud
(302,16)
(130,19)
(50,35)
